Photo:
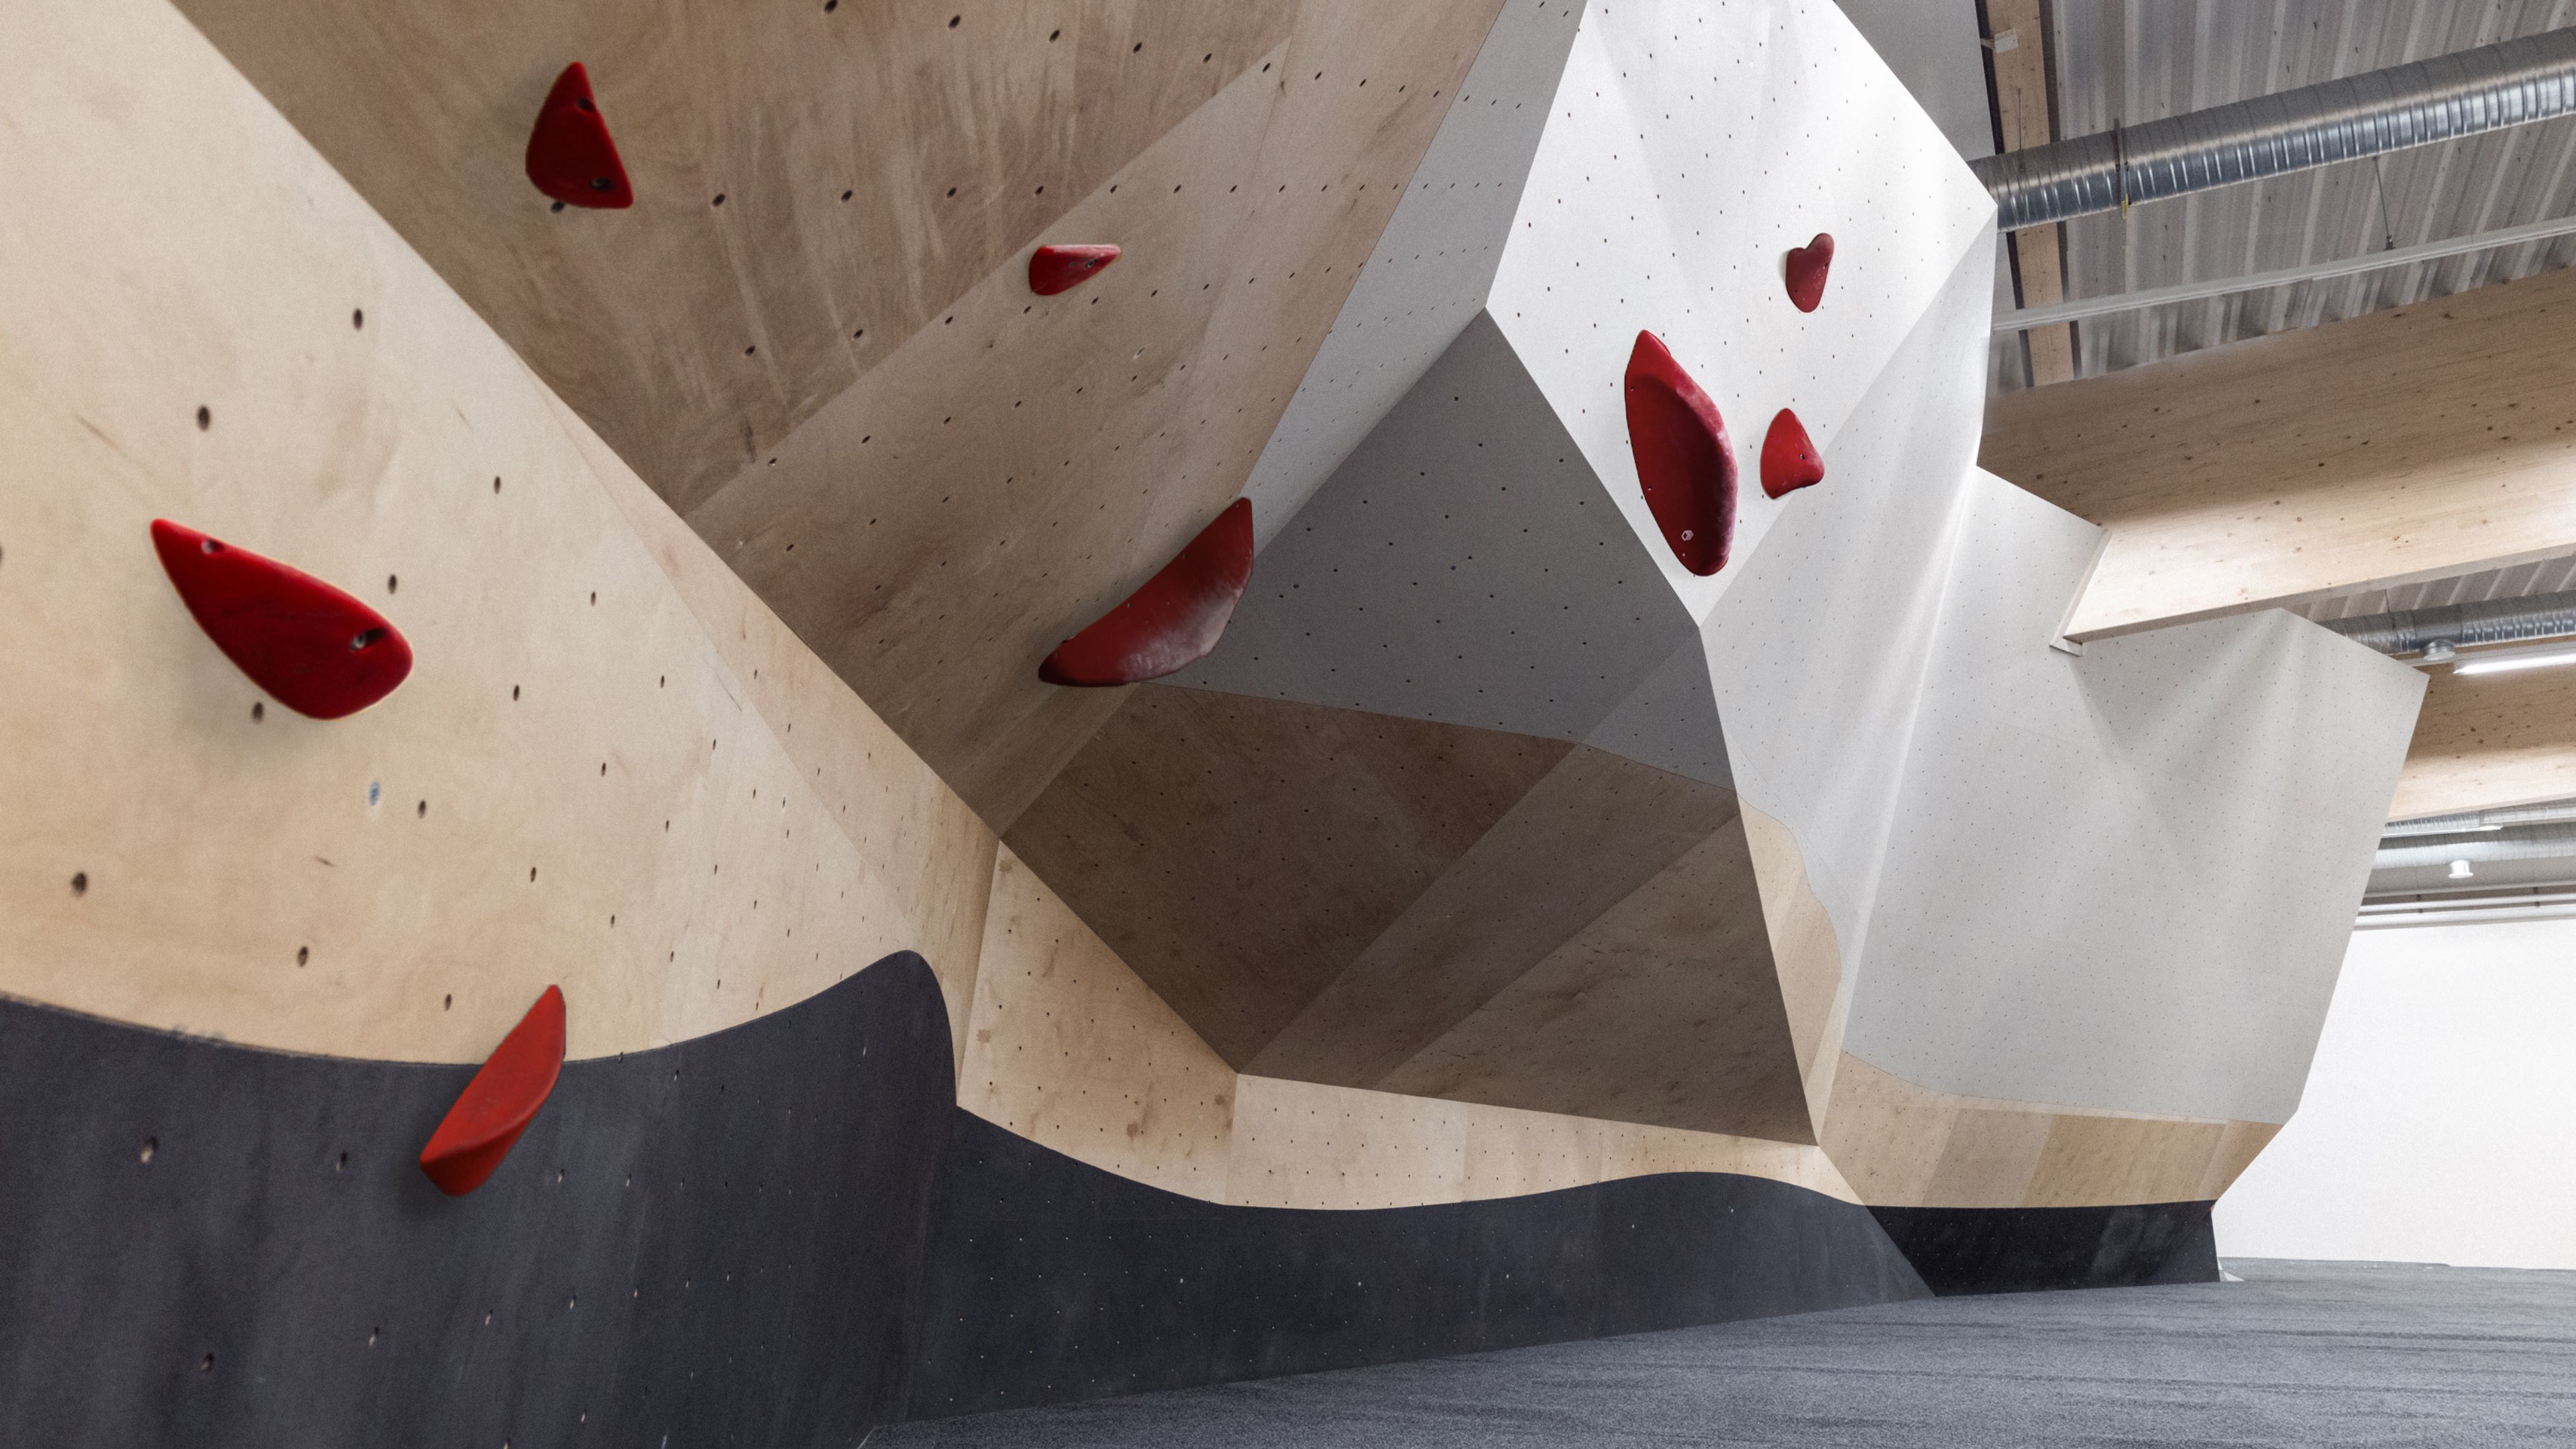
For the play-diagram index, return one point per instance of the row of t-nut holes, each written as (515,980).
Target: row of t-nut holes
(206,1363)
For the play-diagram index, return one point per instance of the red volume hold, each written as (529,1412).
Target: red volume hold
(1061,269)
(570,157)
(499,1103)
(1807,267)
(1176,618)
(315,649)
(1789,460)
(1685,464)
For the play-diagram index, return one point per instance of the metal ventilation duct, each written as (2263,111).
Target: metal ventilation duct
(2438,99)
(2492,621)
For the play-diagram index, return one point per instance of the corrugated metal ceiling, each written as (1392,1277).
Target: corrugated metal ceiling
(2140,60)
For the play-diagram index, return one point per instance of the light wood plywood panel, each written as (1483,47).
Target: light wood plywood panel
(1070,1049)
(1806,953)
(1306,1144)
(1015,469)
(1239,852)
(575,786)
(2490,740)
(935,854)
(955,145)
(1664,1010)
(1903,1145)
(837,372)
(1588,834)
(2410,444)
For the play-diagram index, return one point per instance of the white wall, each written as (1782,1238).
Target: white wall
(2440,1119)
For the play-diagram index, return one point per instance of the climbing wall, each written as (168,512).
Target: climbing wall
(722,490)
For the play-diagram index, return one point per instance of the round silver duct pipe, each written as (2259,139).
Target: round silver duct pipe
(2474,822)
(2522,842)
(2438,99)
(2493,621)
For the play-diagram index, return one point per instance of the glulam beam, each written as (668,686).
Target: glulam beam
(2416,443)
(2490,740)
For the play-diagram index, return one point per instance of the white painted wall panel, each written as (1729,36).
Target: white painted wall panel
(1432,267)
(2436,1120)
(2122,880)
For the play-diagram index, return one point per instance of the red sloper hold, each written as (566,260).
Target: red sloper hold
(1789,460)
(1807,267)
(1061,269)
(314,649)
(499,1103)
(1176,618)
(570,157)
(1685,464)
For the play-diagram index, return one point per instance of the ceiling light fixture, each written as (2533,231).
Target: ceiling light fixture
(2536,656)
(2460,870)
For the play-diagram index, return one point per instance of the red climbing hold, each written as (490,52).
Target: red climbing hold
(500,1102)
(1061,269)
(318,651)
(1176,618)
(569,154)
(1807,267)
(1789,460)
(1684,463)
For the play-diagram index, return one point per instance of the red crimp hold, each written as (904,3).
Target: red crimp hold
(1807,267)
(313,648)
(499,1103)
(1685,465)
(1175,619)
(1789,460)
(570,157)
(1061,269)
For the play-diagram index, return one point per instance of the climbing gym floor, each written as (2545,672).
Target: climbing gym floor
(2297,1354)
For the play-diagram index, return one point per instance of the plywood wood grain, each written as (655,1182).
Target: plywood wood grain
(1903,1145)
(1239,852)
(2028,117)
(1590,833)
(575,786)
(2490,740)
(1665,1009)
(1068,1048)
(2416,443)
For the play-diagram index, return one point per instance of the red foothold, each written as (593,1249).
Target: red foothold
(314,649)
(1685,465)
(570,157)
(1061,269)
(499,1103)
(1807,267)
(1174,620)
(1789,461)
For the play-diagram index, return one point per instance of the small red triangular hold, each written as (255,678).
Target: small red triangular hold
(570,157)
(1807,267)
(499,1103)
(314,649)
(1789,461)
(1685,465)
(1174,620)
(1061,269)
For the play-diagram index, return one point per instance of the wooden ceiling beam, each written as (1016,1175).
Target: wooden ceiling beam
(2418,443)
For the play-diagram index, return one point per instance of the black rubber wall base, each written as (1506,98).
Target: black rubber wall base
(784,1233)
(2023,1250)
(202,1245)
(1048,1279)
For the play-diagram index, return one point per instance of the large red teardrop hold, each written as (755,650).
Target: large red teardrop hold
(1061,269)
(1789,461)
(314,649)
(1174,620)
(1685,465)
(570,157)
(500,1102)
(1807,267)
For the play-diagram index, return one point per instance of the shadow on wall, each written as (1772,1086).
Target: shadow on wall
(781,1233)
